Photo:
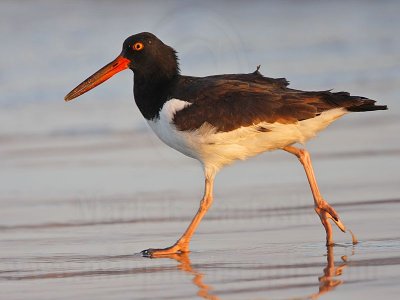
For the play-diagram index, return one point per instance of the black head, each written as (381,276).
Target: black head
(147,56)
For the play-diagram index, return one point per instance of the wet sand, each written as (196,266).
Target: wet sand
(261,239)
(83,191)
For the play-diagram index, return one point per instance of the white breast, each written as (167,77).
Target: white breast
(167,132)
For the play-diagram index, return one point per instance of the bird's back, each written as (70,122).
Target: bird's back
(231,101)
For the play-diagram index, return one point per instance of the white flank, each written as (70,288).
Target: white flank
(217,149)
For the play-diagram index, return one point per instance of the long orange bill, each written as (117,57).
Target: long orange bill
(117,65)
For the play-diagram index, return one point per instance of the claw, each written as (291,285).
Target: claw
(147,253)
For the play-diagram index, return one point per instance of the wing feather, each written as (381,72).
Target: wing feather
(231,101)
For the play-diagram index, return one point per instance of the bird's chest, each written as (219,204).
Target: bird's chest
(164,128)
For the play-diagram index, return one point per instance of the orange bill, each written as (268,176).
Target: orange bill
(117,65)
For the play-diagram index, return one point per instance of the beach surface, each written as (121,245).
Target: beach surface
(85,186)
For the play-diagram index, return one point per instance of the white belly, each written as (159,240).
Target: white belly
(217,149)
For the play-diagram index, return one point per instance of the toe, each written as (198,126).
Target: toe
(353,237)
(174,249)
(330,210)
(340,225)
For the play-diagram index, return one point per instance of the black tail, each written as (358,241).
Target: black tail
(357,103)
(367,105)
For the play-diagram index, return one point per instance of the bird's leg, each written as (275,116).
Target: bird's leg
(322,208)
(182,245)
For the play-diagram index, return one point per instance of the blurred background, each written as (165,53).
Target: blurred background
(48,47)
(68,168)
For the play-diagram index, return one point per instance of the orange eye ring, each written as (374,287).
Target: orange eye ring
(138,46)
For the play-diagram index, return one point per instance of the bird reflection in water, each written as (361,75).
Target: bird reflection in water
(186,265)
(327,282)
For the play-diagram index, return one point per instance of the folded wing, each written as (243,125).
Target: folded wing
(228,102)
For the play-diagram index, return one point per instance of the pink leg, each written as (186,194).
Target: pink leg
(182,245)
(322,208)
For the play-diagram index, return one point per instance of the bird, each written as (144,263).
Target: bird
(219,119)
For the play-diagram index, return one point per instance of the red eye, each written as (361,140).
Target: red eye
(138,46)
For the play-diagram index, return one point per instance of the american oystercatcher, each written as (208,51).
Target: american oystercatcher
(222,118)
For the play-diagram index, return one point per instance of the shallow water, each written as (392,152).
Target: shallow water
(85,186)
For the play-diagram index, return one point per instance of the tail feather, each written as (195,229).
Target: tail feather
(367,105)
(356,103)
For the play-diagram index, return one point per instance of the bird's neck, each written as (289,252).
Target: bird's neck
(151,92)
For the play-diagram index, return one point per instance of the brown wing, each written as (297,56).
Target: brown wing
(228,102)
